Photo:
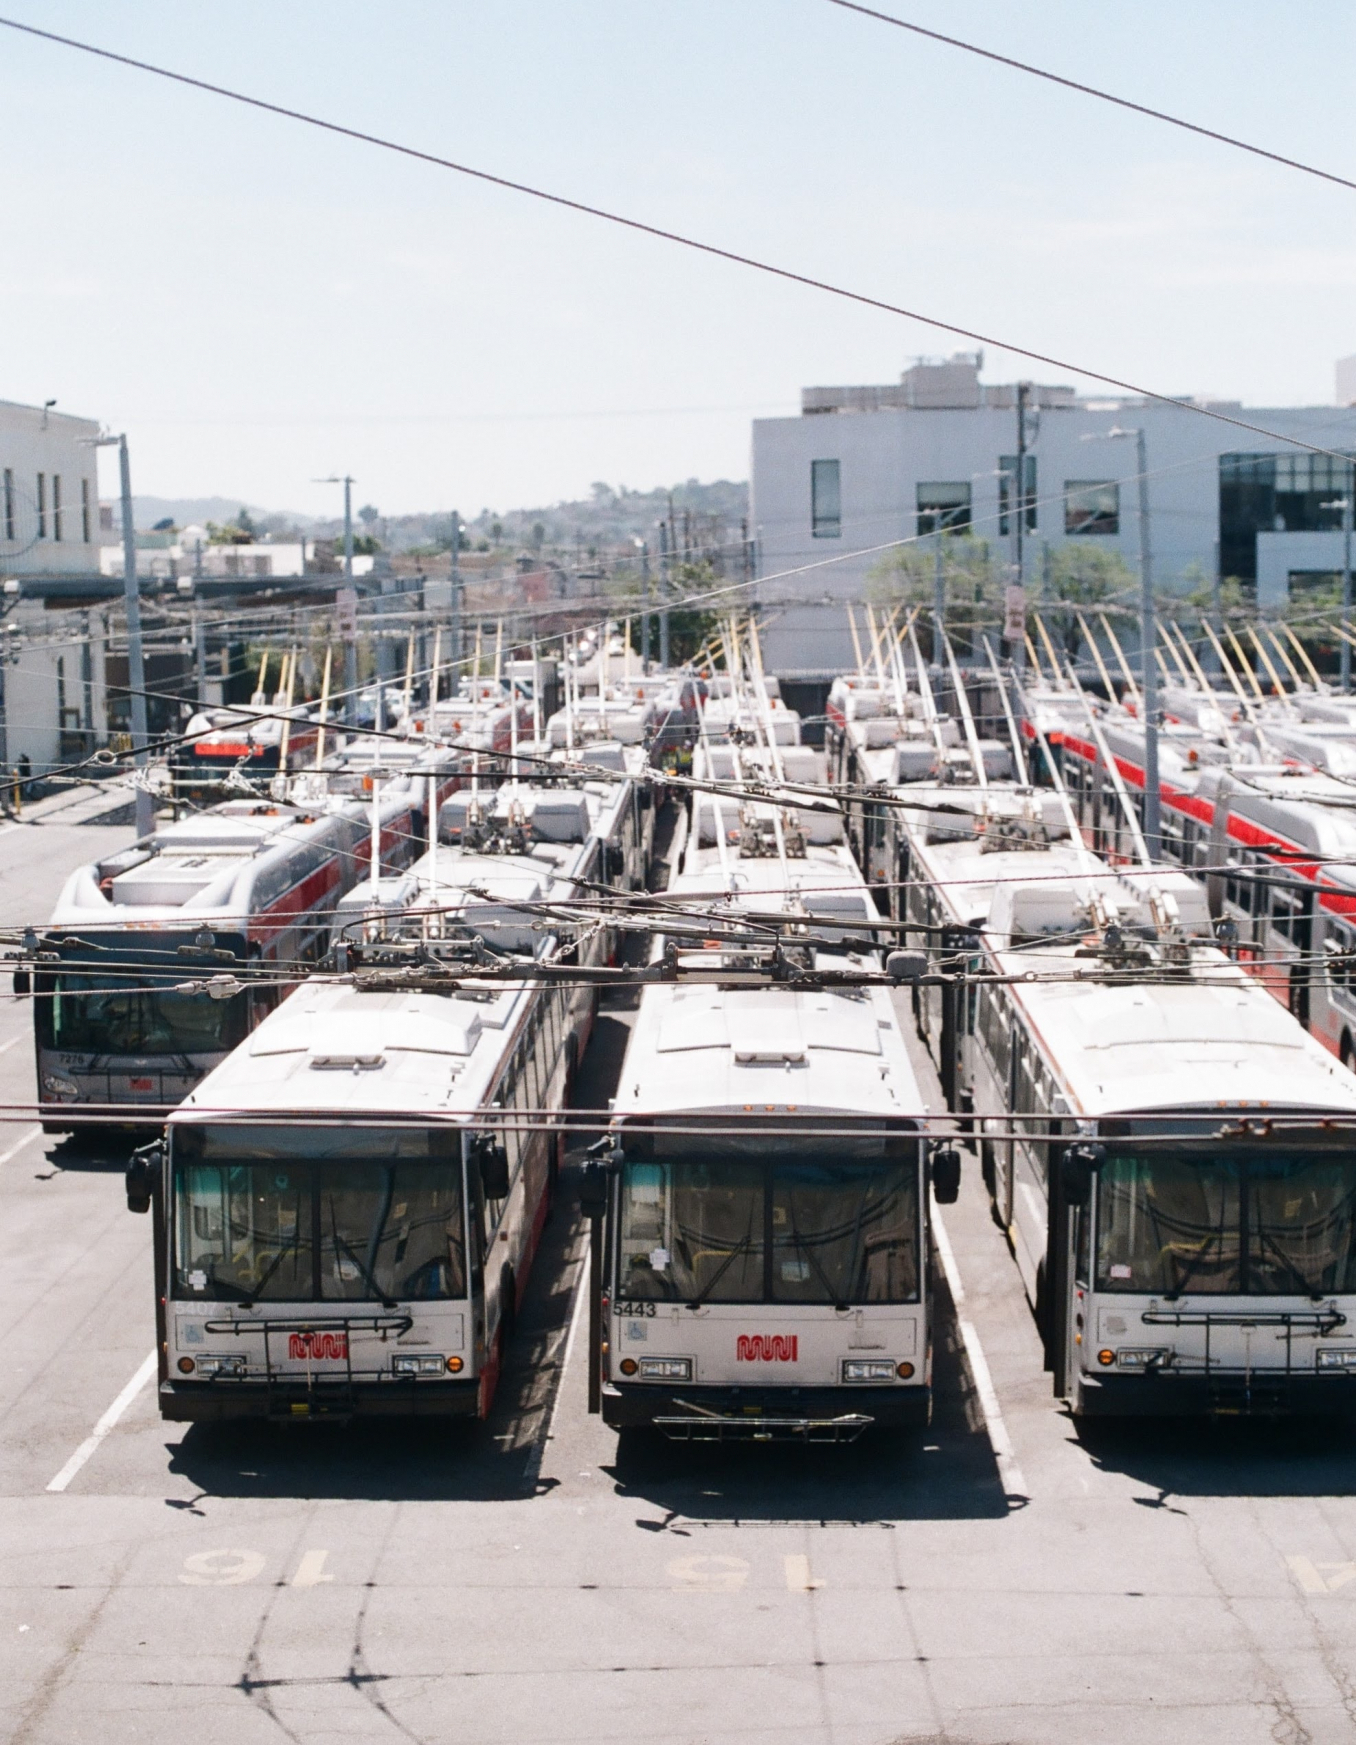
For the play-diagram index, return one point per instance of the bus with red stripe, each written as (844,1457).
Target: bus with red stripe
(158,960)
(1275,843)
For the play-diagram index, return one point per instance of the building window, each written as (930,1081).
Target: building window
(1007,475)
(84,511)
(9,504)
(1274,493)
(1092,506)
(42,505)
(826,499)
(943,508)
(56,506)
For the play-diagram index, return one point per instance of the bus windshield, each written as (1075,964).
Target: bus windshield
(1215,1224)
(785,1220)
(119,1014)
(317,1214)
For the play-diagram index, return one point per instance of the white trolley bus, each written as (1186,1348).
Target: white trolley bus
(346,1210)
(765,1269)
(156,961)
(1172,1155)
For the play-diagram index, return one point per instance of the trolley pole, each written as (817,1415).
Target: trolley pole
(456,602)
(1148,676)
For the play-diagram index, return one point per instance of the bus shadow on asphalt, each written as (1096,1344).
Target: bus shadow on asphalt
(1226,1456)
(92,1153)
(946,1472)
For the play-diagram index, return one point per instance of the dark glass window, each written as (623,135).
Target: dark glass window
(1007,474)
(944,508)
(1092,506)
(826,499)
(1274,493)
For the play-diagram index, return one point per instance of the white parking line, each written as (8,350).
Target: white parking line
(999,1440)
(14,1042)
(18,1145)
(105,1424)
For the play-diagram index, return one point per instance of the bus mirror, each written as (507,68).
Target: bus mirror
(1079,1164)
(140,1175)
(593,1190)
(494,1168)
(946,1175)
(23,983)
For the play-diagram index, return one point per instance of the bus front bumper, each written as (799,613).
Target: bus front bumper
(207,1402)
(1260,1393)
(769,1414)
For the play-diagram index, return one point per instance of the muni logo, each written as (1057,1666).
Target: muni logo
(317,1345)
(766,1348)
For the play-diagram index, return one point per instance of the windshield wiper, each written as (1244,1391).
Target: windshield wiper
(372,1285)
(272,1267)
(804,1248)
(696,1302)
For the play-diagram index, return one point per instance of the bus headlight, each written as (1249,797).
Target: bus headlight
(666,1369)
(1141,1357)
(1337,1359)
(868,1369)
(56,1086)
(419,1363)
(211,1367)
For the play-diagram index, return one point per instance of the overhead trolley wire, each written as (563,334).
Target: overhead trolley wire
(1195,127)
(644,228)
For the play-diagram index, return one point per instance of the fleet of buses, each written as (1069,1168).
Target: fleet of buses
(354,993)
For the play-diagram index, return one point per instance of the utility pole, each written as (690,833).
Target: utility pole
(200,657)
(1019,490)
(456,637)
(645,614)
(1343,644)
(1148,676)
(665,557)
(136,665)
(938,602)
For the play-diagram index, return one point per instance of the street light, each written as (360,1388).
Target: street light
(1148,634)
(136,665)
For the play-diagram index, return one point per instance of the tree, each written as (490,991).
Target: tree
(368,514)
(538,535)
(1080,577)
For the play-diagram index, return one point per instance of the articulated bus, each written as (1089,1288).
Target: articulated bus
(348,1207)
(765,1253)
(135,998)
(1275,847)
(1172,1156)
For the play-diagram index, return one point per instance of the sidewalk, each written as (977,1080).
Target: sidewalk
(81,803)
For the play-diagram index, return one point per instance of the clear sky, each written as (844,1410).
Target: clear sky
(257,303)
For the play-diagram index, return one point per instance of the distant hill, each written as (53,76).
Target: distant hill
(184,511)
(610,517)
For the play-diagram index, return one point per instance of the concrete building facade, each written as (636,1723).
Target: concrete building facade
(49,494)
(866,470)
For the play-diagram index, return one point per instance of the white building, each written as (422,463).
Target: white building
(866,468)
(49,497)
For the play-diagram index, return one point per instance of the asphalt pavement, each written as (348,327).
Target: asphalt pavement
(1000,1579)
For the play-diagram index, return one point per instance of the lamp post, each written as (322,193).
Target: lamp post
(136,663)
(1148,633)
